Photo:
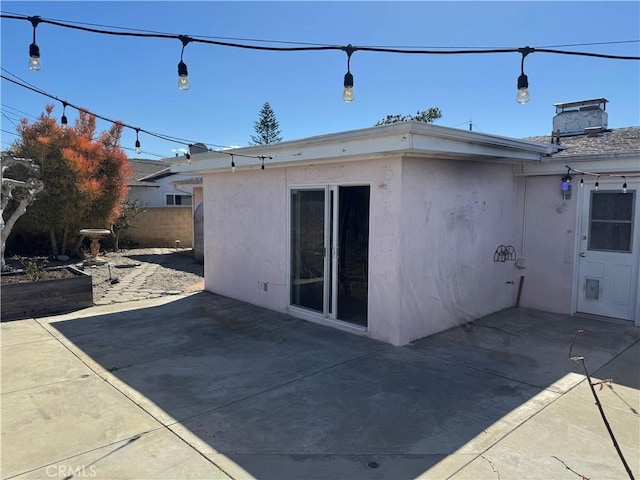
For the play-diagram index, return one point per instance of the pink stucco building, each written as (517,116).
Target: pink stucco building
(401,231)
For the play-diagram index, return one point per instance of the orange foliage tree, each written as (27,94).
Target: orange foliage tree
(84,174)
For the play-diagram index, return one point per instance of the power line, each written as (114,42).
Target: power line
(17,112)
(11,120)
(10,133)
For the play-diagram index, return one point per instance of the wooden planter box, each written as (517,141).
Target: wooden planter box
(46,297)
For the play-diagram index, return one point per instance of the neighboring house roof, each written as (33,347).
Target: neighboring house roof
(188,182)
(145,171)
(612,143)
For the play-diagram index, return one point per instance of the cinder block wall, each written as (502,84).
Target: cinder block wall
(161,227)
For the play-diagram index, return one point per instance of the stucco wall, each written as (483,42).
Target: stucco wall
(548,246)
(245,237)
(455,215)
(434,228)
(384,177)
(161,227)
(197,196)
(246,233)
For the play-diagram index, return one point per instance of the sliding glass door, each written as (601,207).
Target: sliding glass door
(308,250)
(329,251)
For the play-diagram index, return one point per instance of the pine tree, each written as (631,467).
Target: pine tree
(266,127)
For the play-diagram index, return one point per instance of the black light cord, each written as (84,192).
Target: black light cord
(313,47)
(161,136)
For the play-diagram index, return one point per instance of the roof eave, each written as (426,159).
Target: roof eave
(416,138)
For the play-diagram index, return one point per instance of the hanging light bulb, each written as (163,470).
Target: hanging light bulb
(138,149)
(523,95)
(624,185)
(596,186)
(34,50)
(582,181)
(63,120)
(183,74)
(183,78)
(347,93)
(233,164)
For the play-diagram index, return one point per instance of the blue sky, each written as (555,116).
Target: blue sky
(135,80)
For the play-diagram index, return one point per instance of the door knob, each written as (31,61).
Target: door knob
(582,254)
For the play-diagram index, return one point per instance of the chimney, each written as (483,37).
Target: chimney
(578,118)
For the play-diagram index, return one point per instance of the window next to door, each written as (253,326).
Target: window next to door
(611,221)
(177,200)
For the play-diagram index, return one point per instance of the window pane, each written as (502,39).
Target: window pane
(610,236)
(169,199)
(611,205)
(307,248)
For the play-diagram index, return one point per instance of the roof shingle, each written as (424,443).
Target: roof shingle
(617,140)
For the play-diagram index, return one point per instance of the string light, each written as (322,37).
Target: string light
(262,157)
(347,94)
(523,95)
(138,149)
(161,136)
(183,74)
(233,164)
(34,49)
(598,175)
(63,120)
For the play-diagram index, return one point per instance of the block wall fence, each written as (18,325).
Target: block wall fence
(161,227)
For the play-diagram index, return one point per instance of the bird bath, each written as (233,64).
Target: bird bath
(95,234)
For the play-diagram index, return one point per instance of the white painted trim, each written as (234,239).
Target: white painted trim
(614,164)
(403,137)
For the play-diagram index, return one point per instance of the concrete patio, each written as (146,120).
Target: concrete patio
(203,386)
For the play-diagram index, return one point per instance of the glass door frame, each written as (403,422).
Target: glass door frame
(331,248)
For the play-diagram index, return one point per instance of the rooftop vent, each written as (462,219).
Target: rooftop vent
(578,118)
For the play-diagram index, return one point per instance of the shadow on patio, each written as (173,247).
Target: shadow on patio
(262,394)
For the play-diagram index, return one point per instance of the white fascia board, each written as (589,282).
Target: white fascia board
(614,163)
(416,138)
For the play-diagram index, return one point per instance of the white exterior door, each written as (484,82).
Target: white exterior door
(608,251)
